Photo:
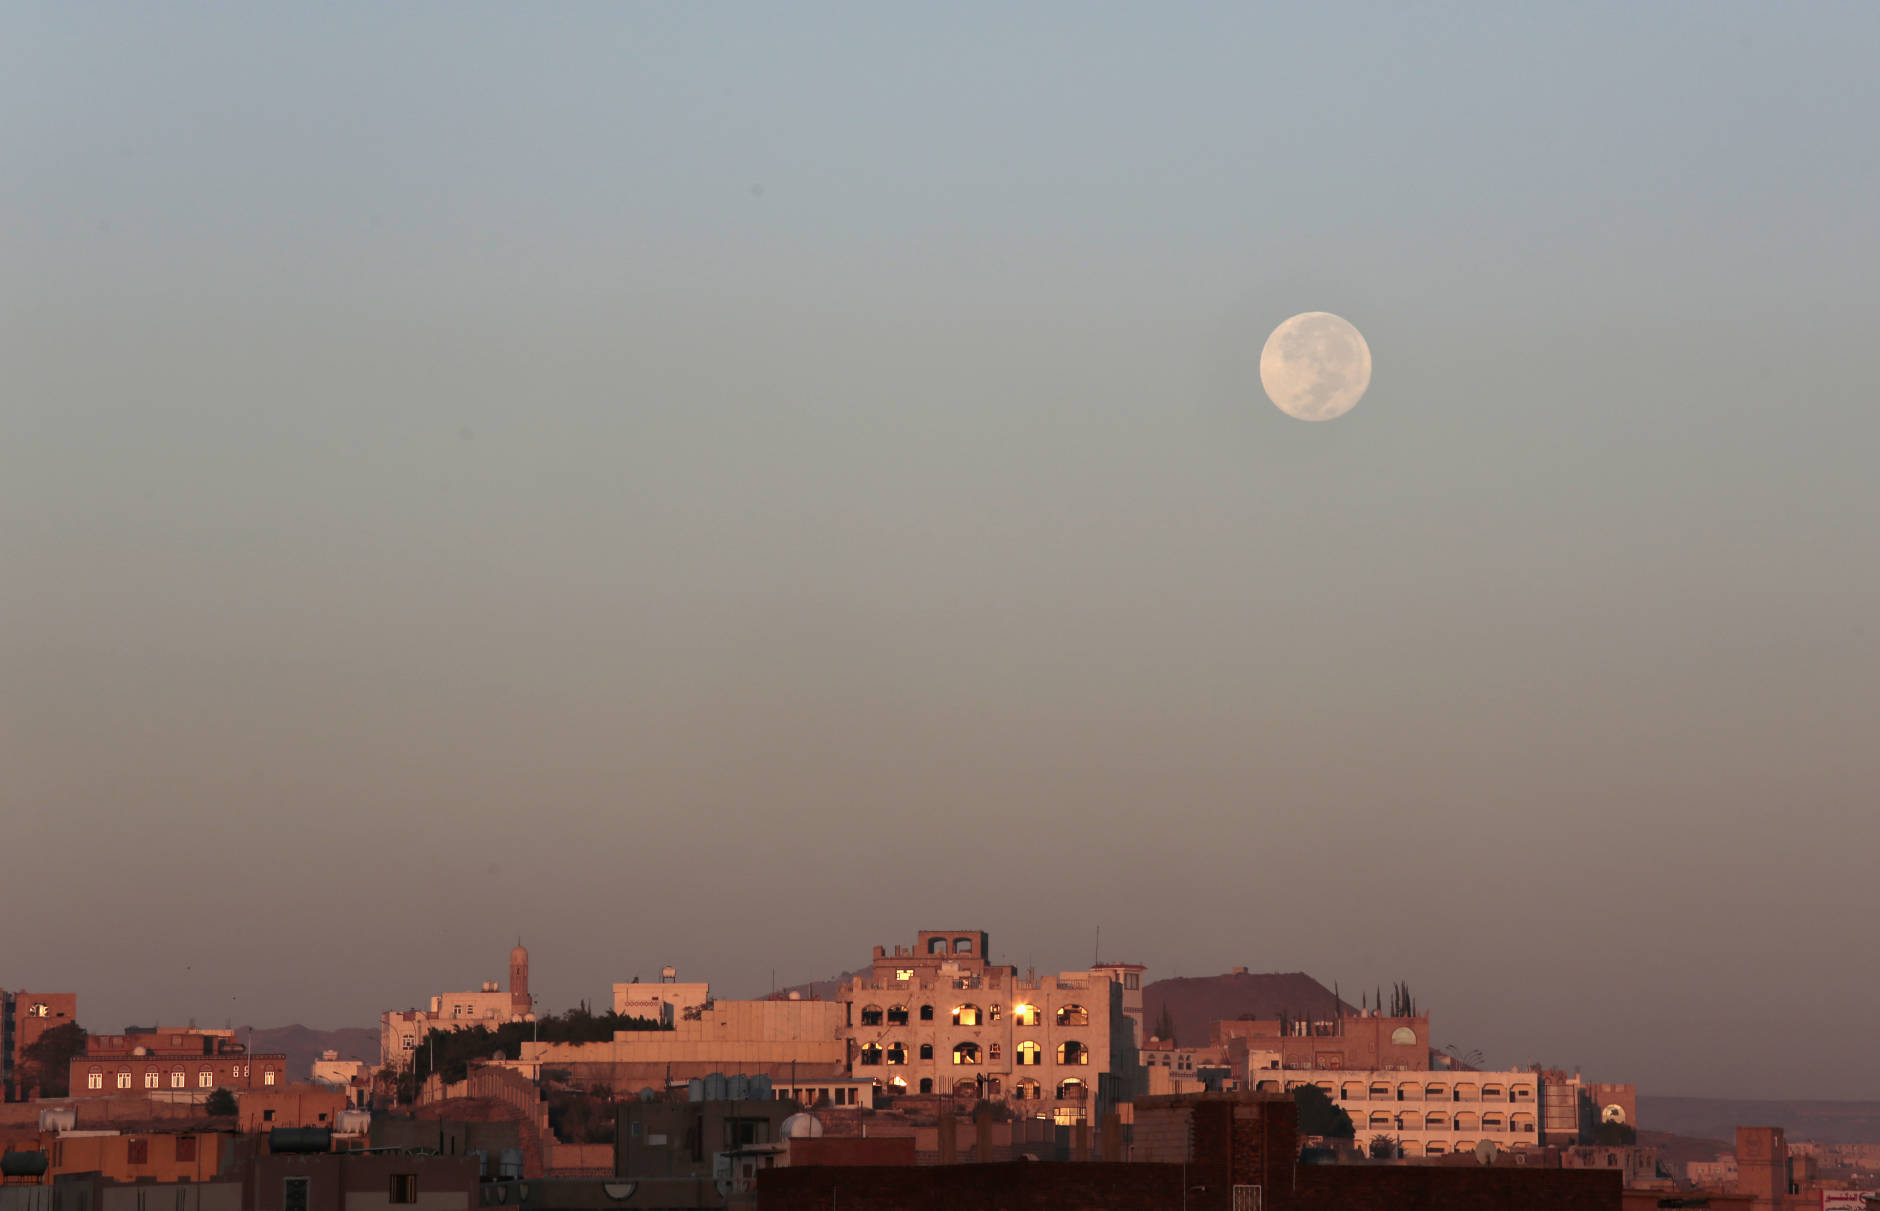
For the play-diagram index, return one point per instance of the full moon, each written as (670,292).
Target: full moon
(1315,366)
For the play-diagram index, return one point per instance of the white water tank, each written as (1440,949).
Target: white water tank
(802,1127)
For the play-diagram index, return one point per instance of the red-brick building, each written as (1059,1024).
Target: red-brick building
(24,1018)
(173,1064)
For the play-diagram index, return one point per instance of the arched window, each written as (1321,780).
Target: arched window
(152,1080)
(966,1053)
(1073,1015)
(897,1053)
(1521,1093)
(1027,1090)
(1029,1053)
(94,1079)
(926,1013)
(870,1055)
(936,946)
(897,1015)
(1352,1091)
(898,1083)
(176,1078)
(1025,1015)
(1493,1121)
(1467,1121)
(1267,1086)
(1494,1093)
(1073,1052)
(1408,1120)
(966,1015)
(1380,1120)
(124,1080)
(1462,1146)
(962,946)
(1436,1093)
(1380,1090)
(926,1084)
(926,1051)
(1466,1091)
(1410,1148)
(966,1087)
(871,1015)
(1410,1092)
(1521,1123)
(1437,1121)
(1435,1148)
(1403,1036)
(205,1079)
(1072,1090)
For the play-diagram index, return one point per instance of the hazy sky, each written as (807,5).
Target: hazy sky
(732,485)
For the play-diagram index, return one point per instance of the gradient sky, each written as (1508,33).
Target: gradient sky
(735,484)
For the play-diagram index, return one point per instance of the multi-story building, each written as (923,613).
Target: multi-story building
(1429,1113)
(176,1064)
(665,1002)
(400,1031)
(24,1018)
(939,1018)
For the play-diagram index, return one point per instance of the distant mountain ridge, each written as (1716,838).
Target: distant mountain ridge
(1195,1003)
(302,1045)
(1718,1118)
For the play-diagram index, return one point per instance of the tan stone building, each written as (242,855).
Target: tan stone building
(401,1031)
(938,1018)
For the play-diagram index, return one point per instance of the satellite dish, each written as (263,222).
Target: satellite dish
(1485,1152)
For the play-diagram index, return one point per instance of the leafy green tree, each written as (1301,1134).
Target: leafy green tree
(450,1052)
(1319,1115)
(46,1065)
(1382,1148)
(221,1104)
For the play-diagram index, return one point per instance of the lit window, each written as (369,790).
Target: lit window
(870,1055)
(1071,1091)
(1027,1091)
(899,1082)
(966,1053)
(404,1188)
(1073,1015)
(94,1079)
(151,1080)
(124,1080)
(1074,1052)
(267,1077)
(176,1079)
(871,1015)
(966,1015)
(205,1079)
(897,1053)
(897,1015)
(992,1013)
(1030,1053)
(1025,1015)
(903,973)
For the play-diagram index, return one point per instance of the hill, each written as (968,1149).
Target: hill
(302,1045)
(1195,1003)
(1718,1118)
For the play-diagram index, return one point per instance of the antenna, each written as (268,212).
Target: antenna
(1096,955)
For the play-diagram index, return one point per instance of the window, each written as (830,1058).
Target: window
(404,1188)
(899,1083)
(1403,1036)
(1026,1091)
(871,1015)
(186,1149)
(176,1078)
(926,1013)
(151,1080)
(962,946)
(139,1152)
(904,974)
(992,1052)
(1073,1015)
(95,1079)
(1073,1052)
(897,1053)
(870,1056)
(1030,1053)
(936,946)
(966,1015)
(1071,1090)
(897,1015)
(966,1053)
(267,1077)
(1132,980)
(926,1084)
(1025,1015)
(205,1079)
(926,1051)
(267,1116)
(124,1080)
(992,1013)
(966,1087)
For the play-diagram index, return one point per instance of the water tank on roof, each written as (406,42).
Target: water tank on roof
(300,1139)
(59,1118)
(509,1164)
(22,1164)
(716,1087)
(802,1127)
(353,1122)
(695,1089)
(738,1088)
(760,1088)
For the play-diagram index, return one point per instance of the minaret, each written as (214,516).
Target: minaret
(519,976)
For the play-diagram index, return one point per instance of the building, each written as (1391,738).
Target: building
(665,1002)
(939,1019)
(24,1018)
(172,1064)
(1431,1113)
(401,1031)
(791,1042)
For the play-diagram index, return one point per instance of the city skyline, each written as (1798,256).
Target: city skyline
(727,487)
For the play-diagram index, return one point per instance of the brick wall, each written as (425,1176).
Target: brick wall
(1442,1188)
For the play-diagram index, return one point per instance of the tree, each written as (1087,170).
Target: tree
(1319,1115)
(1610,1134)
(221,1104)
(46,1065)
(1382,1148)
(1164,1025)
